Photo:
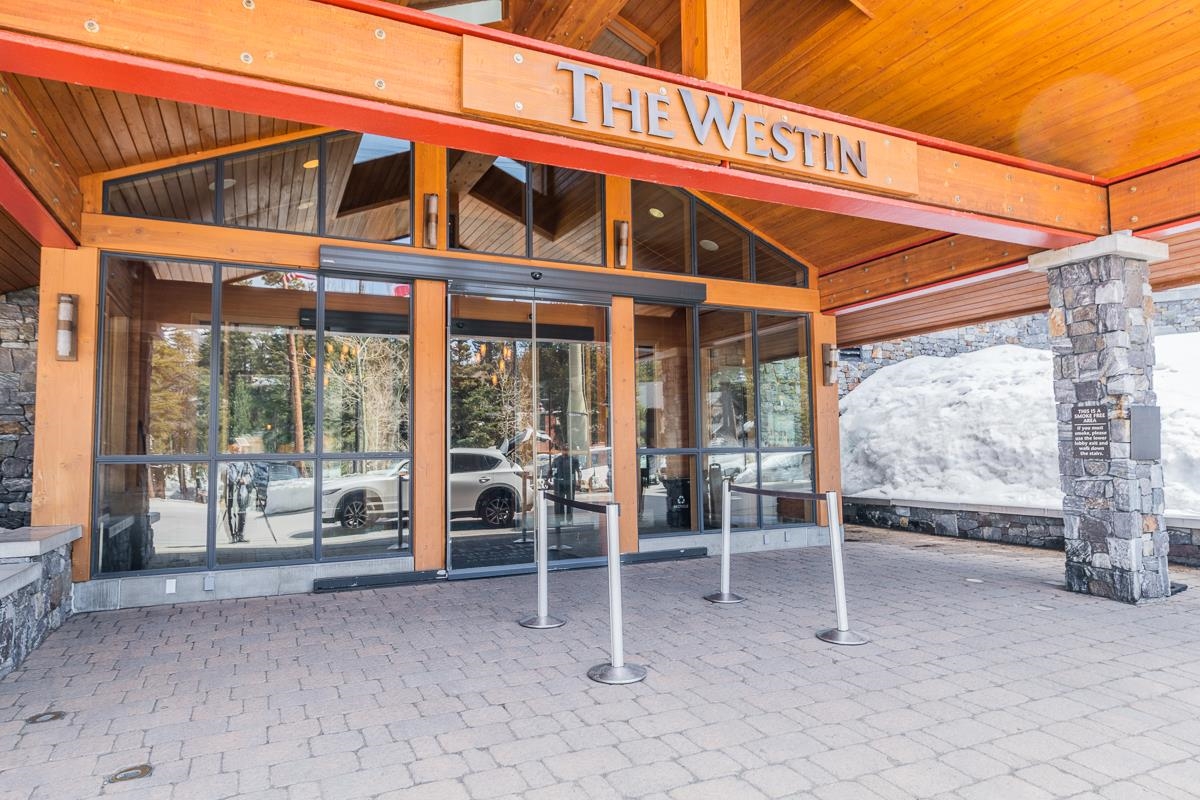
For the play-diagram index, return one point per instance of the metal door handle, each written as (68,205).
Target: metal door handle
(485,480)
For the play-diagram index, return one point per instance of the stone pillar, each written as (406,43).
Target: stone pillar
(1101,318)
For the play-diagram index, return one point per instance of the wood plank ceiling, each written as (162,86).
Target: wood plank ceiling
(1099,87)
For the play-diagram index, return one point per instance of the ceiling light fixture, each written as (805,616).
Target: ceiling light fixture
(228,183)
(657,213)
(312,163)
(709,245)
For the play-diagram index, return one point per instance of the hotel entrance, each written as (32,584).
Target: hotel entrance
(529,409)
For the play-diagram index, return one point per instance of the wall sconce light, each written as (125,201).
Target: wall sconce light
(621,237)
(829,361)
(65,345)
(431,220)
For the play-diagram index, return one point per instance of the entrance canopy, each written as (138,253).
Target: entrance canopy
(931,166)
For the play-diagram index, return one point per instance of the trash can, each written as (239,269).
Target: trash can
(679,502)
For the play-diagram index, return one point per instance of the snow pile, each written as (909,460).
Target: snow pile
(979,428)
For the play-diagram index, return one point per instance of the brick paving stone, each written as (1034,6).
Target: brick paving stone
(966,691)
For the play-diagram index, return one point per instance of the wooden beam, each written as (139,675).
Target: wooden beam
(945,259)
(826,436)
(428,465)
(571,24)
(618,205)
(711,34)
(625,471)
(1156,198)
(407,83)
(38,189)
(62,457)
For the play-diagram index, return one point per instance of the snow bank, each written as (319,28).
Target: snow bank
(979,428)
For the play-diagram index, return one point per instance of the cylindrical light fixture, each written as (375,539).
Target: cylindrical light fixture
(621,238)
(829,360)
(431,220)
(65,345)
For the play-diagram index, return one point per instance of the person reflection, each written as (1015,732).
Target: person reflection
(239,475)
(565,472)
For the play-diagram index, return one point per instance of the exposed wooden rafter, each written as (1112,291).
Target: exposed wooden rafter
(36,175)
(571,24)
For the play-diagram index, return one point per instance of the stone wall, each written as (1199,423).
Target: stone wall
(18,379)
(1176,311)
(987,524)
(35,588)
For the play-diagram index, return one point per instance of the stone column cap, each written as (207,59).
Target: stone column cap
(1121,243)
(37,541)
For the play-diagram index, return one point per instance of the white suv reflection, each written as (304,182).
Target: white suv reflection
(483,484)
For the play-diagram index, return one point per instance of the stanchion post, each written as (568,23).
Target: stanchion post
(842,633)
(615,671)
(724,596)
(542,619)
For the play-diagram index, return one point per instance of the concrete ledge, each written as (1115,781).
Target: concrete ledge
(742,541)
(17,576)
(132,591)
(982,508)
(37,541)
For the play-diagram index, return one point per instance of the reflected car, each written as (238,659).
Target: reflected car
(483,484)
(268,472)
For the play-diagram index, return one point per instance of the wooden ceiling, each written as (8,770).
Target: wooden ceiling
(1099,87)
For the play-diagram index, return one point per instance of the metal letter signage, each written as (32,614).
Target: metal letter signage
(542,91)
(1089,432)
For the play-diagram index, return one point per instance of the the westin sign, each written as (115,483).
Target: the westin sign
(626,109)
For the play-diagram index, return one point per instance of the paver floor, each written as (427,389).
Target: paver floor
(983,679)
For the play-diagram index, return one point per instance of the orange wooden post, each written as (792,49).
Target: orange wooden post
(711,37)
(427,469)
(826,439)
(624,425)
(66,395)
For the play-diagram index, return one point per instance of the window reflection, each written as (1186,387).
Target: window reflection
(664,376)
(486,199)
(364,506)
(722,248)
(155,373)
(264,509)
(151,516)
(742,470)
(788,472)
(666,497)
(367,366)
(186,193)
(268,366)
(661,228)
(727,383)
(368,188)
(783,381)
(772,266)
(273,189)
(566,214)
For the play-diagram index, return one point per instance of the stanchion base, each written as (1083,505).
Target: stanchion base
(541,623)
(834,636)
(616,676)
(724,598)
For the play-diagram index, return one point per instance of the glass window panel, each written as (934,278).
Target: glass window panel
(273,189)
(187,193)
(364,507)
(368,187)
(788,472)
(726,380)
(486,198)
(661,228)
(151,516)
(267,372)
(784,381)
(613,46)
(264,511)
(742,469)
(663,336)
(772,266)
(566,215)
(155,367)
(368,368)
(722,248)
(667,494)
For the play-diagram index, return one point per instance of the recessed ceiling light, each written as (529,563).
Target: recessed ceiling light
(312,163)
(657,213)
(709,245)
(307,204)
(228,183)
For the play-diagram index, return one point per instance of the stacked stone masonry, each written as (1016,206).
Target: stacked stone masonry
(1100,318)
(35,588)
(18,378)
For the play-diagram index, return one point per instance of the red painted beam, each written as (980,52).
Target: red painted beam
(72,63)
(20,203)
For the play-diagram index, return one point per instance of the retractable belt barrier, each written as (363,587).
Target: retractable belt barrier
(615,671)
(842,633)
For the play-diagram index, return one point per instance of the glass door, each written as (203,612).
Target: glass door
(528,409)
